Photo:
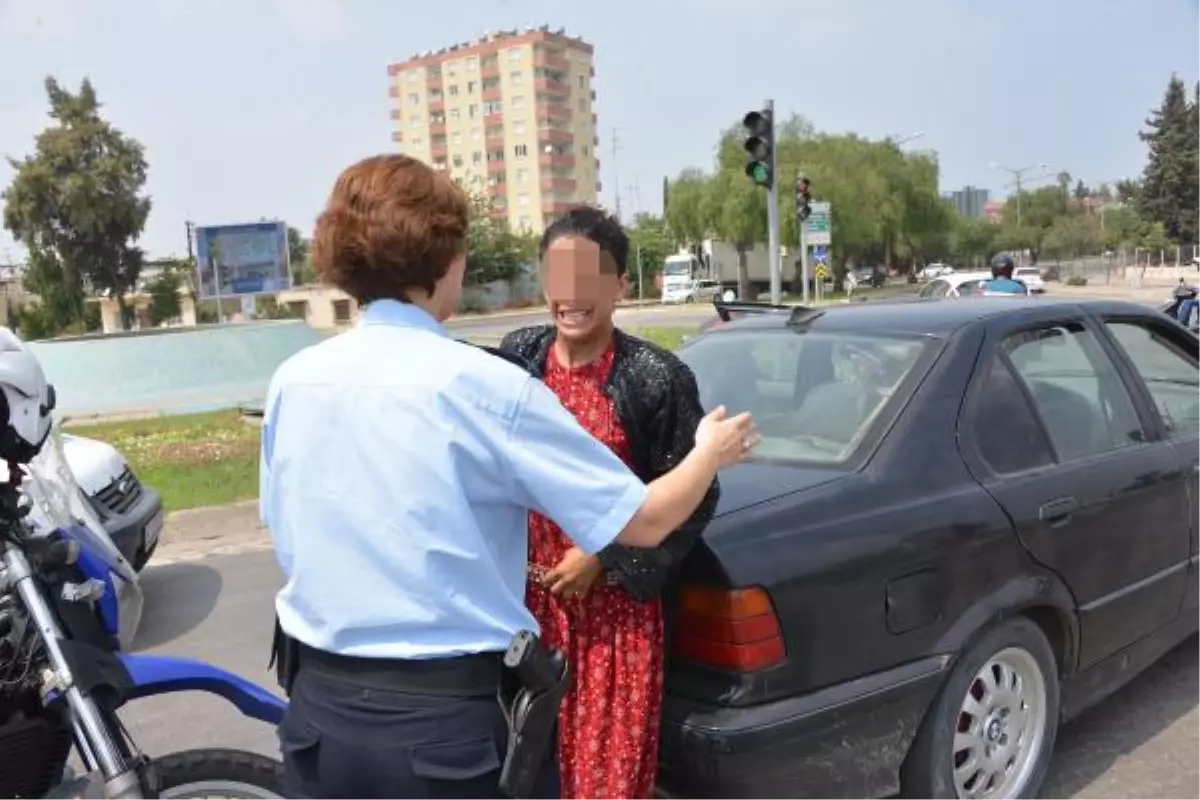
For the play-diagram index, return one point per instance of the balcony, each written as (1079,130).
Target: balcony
(556,207)
(393,91)
(397,136)
(433,84)
(544,58)
(497,190)
(437,106)
(554,136)
(551,86)
(559,185)
(553,113)
(556,160)
(495,166)
(438,149)
(492,93)
(394,113)
(494,139)
(489,69)
(496,118)
(437,129)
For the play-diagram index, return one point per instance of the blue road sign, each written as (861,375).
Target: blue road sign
(820,254)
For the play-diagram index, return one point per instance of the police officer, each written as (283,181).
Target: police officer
(398,469)
(1002,281)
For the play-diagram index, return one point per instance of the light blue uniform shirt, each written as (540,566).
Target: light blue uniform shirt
(1004,286)
(398,468)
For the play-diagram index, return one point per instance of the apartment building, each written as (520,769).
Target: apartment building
(510,116)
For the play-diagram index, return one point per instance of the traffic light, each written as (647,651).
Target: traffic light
(803,198)
(760,141)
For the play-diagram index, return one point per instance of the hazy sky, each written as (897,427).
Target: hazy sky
(249,108)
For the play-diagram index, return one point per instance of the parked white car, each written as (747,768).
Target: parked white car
(700,290)
(958,284)
(131,512)
(935,271)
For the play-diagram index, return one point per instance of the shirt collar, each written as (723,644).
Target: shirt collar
(393,312)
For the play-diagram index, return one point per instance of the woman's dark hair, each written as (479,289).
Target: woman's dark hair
(392,224)
(595,224)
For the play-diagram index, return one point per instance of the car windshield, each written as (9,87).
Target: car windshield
(1027,272)
(815,396)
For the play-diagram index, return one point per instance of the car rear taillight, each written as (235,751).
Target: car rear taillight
(732,629)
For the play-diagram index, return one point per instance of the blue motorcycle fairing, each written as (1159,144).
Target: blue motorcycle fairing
(155,675)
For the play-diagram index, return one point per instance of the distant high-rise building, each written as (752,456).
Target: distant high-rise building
(509,115)
(968,201)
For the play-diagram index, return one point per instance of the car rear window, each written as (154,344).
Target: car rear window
(816,396)
(1027,272)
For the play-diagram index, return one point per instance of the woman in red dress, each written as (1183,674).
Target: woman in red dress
(604,612)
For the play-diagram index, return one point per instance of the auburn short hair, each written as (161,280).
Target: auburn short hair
(391,224)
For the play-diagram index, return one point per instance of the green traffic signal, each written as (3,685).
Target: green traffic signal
(759,172)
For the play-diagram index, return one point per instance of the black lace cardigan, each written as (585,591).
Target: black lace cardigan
(657,402)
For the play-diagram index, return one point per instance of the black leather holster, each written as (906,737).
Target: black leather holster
(531,692)
(285,658)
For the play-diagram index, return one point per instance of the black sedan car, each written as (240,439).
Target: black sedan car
(966,522)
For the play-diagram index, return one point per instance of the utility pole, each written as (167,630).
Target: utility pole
(773,218)
(616,175)
(1018,174)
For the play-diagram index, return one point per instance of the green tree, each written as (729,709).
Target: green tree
(77,206)
(688,207)
(1170,186)
(494,253)
(298,257)
(1073,236)
(650,242)
(972,241)
(164,289)
(1120,227)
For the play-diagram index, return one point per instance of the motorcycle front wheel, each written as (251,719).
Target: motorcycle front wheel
(218,773)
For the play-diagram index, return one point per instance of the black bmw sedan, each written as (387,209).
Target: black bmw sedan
(966,523)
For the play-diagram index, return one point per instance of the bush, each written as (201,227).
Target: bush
(1076,280)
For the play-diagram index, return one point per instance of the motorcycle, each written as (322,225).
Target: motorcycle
(69,606)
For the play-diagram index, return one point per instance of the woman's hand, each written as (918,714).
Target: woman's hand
(728,439)
(574,575)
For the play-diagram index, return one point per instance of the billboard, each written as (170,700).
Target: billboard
(245,259)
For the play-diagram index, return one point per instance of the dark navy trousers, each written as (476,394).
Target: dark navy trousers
(342,739)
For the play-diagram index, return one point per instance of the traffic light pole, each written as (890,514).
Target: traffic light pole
(773,218)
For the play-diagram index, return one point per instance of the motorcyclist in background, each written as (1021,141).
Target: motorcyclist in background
(1002,281)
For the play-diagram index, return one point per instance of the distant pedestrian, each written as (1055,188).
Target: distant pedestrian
(605,610)
(398,470)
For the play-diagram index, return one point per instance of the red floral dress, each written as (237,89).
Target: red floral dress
(608,726)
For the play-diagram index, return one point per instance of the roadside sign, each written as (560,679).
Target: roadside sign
(820,254)
(818,228)
(821,273)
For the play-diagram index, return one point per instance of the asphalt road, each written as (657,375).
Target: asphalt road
(1142,742)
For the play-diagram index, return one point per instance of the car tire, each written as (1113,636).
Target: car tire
(978,715)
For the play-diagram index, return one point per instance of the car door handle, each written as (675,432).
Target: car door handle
(1058,512)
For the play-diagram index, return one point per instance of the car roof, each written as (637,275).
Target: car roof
(929,317)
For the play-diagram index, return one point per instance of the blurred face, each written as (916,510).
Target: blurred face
(582,287)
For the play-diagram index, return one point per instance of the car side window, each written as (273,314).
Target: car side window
(1076,390)
(1169,373)
(1005,430)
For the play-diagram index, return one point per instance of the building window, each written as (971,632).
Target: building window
(582,81)
(514,54)
(473,110)
(493,107)
(518,101)
(414,122)
(521,150)
(477,157)
(451,66)
(414,99)
(472,86)
(523,199)
(298,308)
(473,62)
(458,161)
(454,113)
(456,137)
(410,77)
(583,104)
(416,141)
(518,127)
(341,311)
(522,175)
(516,77)
(523,223)
(453,90)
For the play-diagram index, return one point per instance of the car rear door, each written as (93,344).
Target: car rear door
(1105,504)
(1162,362)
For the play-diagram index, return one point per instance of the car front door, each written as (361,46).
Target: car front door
(1162,360)
(1105,504)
